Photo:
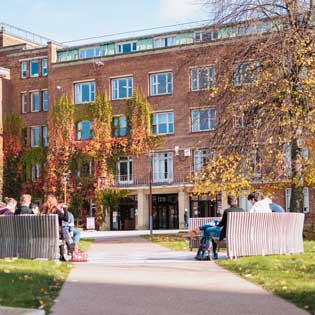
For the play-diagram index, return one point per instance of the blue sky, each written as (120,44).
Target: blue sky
(64,20)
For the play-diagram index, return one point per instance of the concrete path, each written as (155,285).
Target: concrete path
(133,276)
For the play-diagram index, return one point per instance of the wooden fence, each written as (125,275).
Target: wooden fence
(29,236)
(255,234)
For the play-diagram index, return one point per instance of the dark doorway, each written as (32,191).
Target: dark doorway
(165,212)
(124,218)
(203,206)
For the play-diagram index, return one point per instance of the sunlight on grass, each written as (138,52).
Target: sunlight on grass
(174,242)
(289,276)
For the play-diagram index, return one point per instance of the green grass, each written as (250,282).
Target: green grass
(31,283)
(174,242)
(291,277)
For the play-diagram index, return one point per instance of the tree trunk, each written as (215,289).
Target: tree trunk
(297,194)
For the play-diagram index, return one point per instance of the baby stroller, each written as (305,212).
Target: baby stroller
(205,249)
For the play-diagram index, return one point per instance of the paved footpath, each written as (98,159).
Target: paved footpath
(133,276)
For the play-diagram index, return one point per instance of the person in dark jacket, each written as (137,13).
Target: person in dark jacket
(25,202)
(232,202)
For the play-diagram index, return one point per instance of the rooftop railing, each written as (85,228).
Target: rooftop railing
(24,34)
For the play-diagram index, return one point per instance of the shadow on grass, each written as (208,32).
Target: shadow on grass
(31,283)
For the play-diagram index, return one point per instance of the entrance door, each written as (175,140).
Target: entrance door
(165,212)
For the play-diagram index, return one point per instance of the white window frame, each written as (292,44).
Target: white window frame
(159,175)
(33,144)
(24,70)
(210,80)
(45,136)
(83,52)
(125,179)
(200,154)
(239,73)
(239,122)
(35,172)
(45,100)
(114,126)
(154,83)
(306,207)
(44,67)
(160,42)
(32,94)
(23,102)
(78,89)
(79,130)
(36,75)
(115,87)
(198,119)
(117,50)
(156,117)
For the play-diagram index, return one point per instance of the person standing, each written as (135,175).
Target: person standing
(186,219)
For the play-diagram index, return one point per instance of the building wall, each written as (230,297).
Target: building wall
(179,60)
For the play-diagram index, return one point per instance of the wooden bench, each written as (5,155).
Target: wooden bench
(195,223)
(29,236)
(259,234)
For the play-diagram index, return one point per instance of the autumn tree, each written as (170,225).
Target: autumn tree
(266,90)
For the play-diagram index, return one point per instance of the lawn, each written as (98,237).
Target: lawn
(291,277)
(33,283)
(174,242)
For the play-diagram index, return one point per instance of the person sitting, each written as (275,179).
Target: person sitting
(259,206)
(51,206)
(264,205)
(35,208)
(209,230)
(24,208)
(71,234)
(232,202)
(9,208)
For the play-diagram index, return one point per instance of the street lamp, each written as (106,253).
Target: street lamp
(150,195)
(65,177)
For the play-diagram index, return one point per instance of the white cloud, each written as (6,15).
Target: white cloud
(179,10)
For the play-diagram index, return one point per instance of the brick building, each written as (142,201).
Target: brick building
(169,71)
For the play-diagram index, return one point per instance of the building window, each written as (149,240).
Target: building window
(202,78)
(161,83)
(246,73)
(122,88)
(35,172)
(44,67)
(162,167)
(23,103)
(45,101)
(201,159)
(163,123)
(120,126)
(84,130)
(238,122)
(23,70)
(203,119)
(34,68)
(164,42)
(89,52)
(35,137)
(256,163)
(126,47)
(35,102)
(45,136)
(124,166)
(84,92)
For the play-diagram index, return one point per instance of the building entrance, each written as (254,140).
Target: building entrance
(165,212)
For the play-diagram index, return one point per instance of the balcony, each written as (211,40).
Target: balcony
(130,181)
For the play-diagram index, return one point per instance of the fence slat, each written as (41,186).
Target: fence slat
(29,236)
